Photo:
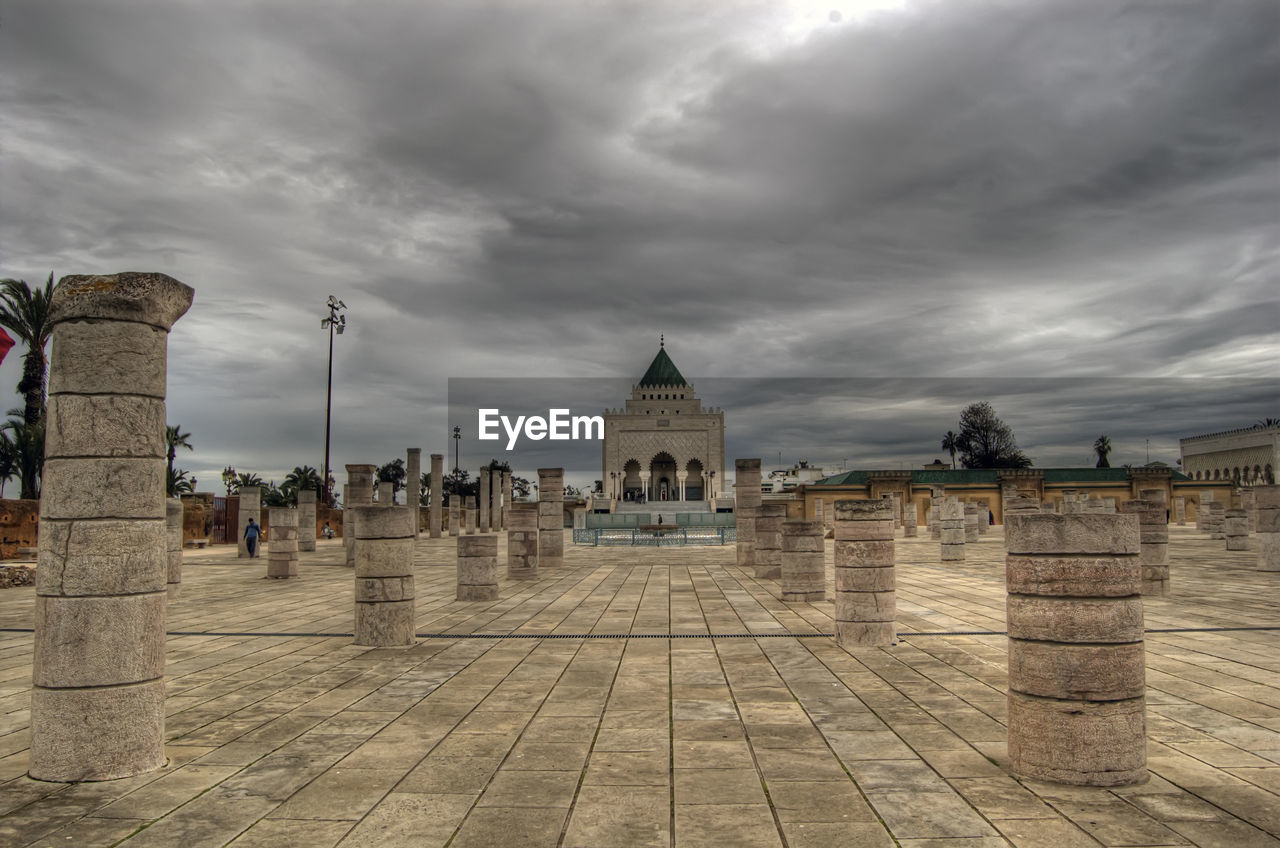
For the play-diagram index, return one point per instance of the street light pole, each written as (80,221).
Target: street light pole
(334,322)
(457,439)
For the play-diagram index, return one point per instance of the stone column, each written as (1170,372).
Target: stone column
(250,507)
(359,493)
(951,524)
(1267,500)
(1019,506)
(909,520)
(1214,522)
(478,567)
(1076,669)
(522,542)
(1235,528)
(970,522)
(984,516)
(1248,502)
(817,511)
(937,497)
(469,515)
(173,545)
(1154,537)
(97,700)
(495,499)
(306,519)
(1180,511)
(746,500)
(384,577)
(434,527)
(507,501)
(282,553)
(1202,511)
(865,589)
(550,517)
(413,489)
(804,574)
(768,547)
(484,500)
(455,515)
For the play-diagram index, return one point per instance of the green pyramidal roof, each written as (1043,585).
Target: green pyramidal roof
(662,372)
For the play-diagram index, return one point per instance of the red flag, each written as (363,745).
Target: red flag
(6,344)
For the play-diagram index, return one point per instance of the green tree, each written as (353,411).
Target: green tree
(177,482)
(951,443)
(987,442)
(424,489)
(272,496)
(174,438)
(25,312)
(300,478)
(8,461)
(393,472)
(245,480)
(27,446)
(1102,447)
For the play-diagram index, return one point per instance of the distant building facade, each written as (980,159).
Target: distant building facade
(1245,457)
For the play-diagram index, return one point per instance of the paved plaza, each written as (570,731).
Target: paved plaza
(652,697)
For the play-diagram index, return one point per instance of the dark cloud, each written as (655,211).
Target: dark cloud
(1054,189)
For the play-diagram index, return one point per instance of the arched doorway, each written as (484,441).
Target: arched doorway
(662,478)
(694,485)
(632,485)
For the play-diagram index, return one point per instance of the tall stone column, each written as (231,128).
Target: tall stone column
(866,605)
(746,500)
(359,493)
(478,568)
(455,515)
(1267,501)
(495,499)
(951,530)
(413,489)
(970,522)
(1077,678)
(434,514)
(1202,509)
(1249,503)
(484,500)
(1154,538)
(173,545)
(97,700)
(768,547)
(1215,520)
(909,520)
(984,516)
(1235,528)
(804,573)
(306,519)
(937,497)
(282,553)
(384,577)
(250,507)
(507,501)
(469,514)
(550,517)
(522,542)
(1180,511)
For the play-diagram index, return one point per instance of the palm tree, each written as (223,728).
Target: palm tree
(174,438)
(951,444)
(424,489)
(1102,447)
(27,446)
(302,477)
(8,461)
(244,480)
(26,313)
(1267,422)
(177,482)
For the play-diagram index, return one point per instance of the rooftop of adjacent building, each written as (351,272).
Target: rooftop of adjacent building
(992,475)
(1261,427)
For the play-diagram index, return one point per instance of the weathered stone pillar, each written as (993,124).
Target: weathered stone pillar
(484,500)
(173,545)
(865,589)
(507,501)
(1214,522)
(413,489)
(952,530)
(1180,511)
(550,517)
(910,520)
(768,547)
(250,507)
(1267,500)
(307,519)
(434,514)
(1154,536)
(984,516)
(455,515)
(359,493)
(478,567)
(522,542)
(469,515)
(1019,506)
(970,522)
(804,574)
(1076,669)
(937,497)
(495,499)
(1235,529)
(818,511)
(746,500)
(384,577)
(1202,509)
(97,701)
(282,553)
(1248,502)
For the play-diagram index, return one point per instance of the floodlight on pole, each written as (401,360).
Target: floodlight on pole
(334,323)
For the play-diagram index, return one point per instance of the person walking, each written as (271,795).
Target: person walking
(252,532)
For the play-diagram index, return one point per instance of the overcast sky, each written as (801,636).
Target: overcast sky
(902,190)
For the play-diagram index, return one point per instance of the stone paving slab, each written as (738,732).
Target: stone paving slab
(280,731)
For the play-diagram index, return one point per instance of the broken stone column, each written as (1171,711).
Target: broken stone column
(937,497)
(434,514)
(507,501)
(1020,505)
(306,519)
(746,500)
(97,699)
(1248,502)
(413,489)
(384,577)
(478,567)
(1077,677)
(550,517)
(455,515)
(984,516)
(1180,511)
(1214,522)
(282,553)
(804,573)
(1202,509)
(469,515)
(359,493)
(173,545)
(910,521)
(865,590)
(1235,529)
(768,547)
(484,500)
(952,530)
(1154,537)
(522,542)
(495,499)
(970,522)
(1267,501)
(250,507)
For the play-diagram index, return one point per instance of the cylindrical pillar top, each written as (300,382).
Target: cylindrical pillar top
(143,298)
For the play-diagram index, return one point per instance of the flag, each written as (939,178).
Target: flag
(6,344)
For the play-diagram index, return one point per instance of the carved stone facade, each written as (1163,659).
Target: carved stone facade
(1246,456)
